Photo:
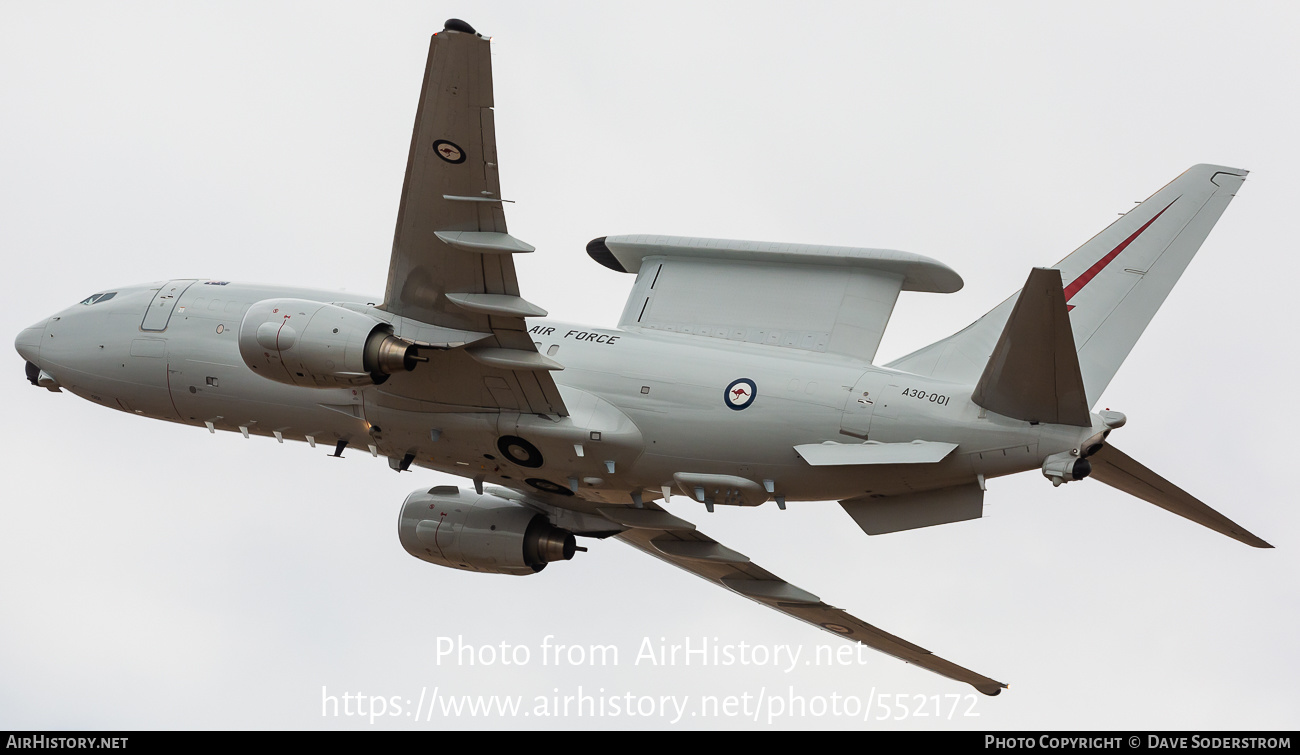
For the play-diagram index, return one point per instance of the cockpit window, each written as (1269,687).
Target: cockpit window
(97,298)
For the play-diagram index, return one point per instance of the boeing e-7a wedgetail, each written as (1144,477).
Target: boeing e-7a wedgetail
(740,372)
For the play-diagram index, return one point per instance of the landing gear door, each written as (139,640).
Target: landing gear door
(860,407)
(163,304)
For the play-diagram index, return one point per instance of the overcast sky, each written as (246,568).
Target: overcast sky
(156,576)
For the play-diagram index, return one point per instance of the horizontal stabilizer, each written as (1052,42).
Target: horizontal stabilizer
(846,454)
(895,513)
(1033,374)
(1119,470)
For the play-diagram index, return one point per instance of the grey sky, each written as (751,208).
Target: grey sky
(156,576)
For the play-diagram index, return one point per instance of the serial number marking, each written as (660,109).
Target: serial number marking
(934,398)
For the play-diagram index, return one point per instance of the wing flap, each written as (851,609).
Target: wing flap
(697,550)
(755,583)
(649,518)
(1120,471)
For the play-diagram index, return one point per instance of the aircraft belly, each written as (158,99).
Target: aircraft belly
(594,450)
(132,396)
(453,442)
(720,435)
(206,392)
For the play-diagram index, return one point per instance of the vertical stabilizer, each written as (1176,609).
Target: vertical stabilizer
(1114,283)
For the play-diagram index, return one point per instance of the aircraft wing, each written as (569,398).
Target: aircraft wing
(453,261)
(666,537)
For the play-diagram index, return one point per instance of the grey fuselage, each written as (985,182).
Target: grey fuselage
(646,405)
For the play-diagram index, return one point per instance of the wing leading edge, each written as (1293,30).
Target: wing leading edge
(668,538)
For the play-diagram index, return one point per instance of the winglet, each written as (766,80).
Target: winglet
(1033,374)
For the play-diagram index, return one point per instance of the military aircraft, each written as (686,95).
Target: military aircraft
(741,372)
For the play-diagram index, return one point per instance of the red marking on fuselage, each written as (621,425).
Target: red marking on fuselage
(1100,264)
(283,322)
(441,515)
(283,364)
(739,392)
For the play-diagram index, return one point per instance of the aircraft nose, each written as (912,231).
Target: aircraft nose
(28,343)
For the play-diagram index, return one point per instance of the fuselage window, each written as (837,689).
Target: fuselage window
(97,298)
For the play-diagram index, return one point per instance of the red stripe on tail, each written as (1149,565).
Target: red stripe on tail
(1100,264)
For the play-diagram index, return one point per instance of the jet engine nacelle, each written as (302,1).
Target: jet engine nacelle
(313,344)
(483,533)
(1065,467)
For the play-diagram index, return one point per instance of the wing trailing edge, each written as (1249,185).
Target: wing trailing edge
(1033,373)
